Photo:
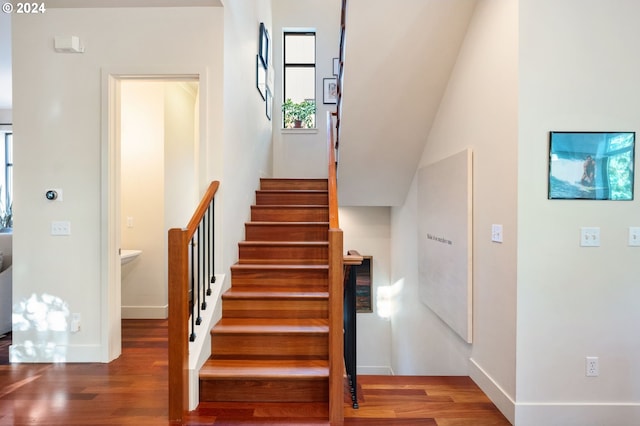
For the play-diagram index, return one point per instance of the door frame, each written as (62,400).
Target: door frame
(110,221)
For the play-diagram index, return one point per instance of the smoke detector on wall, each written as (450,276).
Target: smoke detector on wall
(68,44)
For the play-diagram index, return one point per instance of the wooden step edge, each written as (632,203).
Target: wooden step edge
(275,295)
(270,330)
(263,369)
(292,191)
(294,180)
(284,267)
(290,206)
(284,243)
(276,223)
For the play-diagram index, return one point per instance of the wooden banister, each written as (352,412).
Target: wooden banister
(353,258)
(179,306)
(336,279)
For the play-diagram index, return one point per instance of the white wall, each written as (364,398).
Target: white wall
(246,154)
(478,110)
(142,193)
(367,230)
(5,116)
(578,71)
(57,132)
(158,185)
(303,153)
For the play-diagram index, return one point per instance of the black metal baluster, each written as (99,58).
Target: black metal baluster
(192,337)
(197,273)
(202,264)
(212,278)
(350,330)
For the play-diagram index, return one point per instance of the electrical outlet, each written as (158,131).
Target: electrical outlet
(75,322)
(592,366)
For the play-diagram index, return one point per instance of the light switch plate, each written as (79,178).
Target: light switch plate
(634,236)
(590,237)
(496,233)
(61,227)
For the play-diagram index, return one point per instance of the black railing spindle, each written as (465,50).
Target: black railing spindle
(192,336)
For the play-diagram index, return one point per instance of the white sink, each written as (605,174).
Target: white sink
(127,256)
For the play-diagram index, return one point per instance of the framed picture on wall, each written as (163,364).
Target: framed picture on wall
(330,92)
(269,102)
(364,281)
(263,49)
(261,78)
(591,165)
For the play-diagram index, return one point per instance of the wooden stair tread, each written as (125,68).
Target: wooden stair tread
(284,243)
(293,183)
(289,206)
(277,295)
(293,191)
(276,223)
(239,369)
(278,267)
(271,325)
(271,343)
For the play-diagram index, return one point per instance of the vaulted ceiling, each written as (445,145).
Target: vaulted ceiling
(398,59)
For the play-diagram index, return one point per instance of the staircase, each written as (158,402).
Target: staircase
(271,344)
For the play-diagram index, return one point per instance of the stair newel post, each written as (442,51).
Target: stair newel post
(336,317)
(178,275)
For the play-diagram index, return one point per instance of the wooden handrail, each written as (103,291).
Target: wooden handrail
(178,277)
(202,207)
(353,258)
(336,280)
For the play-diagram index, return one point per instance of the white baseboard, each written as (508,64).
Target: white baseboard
(370,370)
(61,354)
(578,414)
(494,391)
(145,312)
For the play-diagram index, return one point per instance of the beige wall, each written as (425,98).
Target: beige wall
(368,231)
(58,127)
(479,111)
(247,148)
(303,153)
(578,71)
(158,185)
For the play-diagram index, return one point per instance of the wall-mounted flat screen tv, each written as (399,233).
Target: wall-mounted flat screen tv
(591,165)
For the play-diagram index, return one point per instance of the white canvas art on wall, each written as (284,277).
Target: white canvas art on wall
(445,240)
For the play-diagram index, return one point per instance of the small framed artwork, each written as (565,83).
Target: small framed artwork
(336,66)
(269,102)
(263,50)
(261,78)
(591,165)
(330,92)
(363,285)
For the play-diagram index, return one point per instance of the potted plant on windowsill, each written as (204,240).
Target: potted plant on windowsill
(298,115)
(6,219)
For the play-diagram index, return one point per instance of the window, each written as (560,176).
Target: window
(6,177)
(299,107)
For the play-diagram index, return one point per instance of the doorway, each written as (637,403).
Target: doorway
(151,183)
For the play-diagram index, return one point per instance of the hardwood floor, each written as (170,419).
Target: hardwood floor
(132,390)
